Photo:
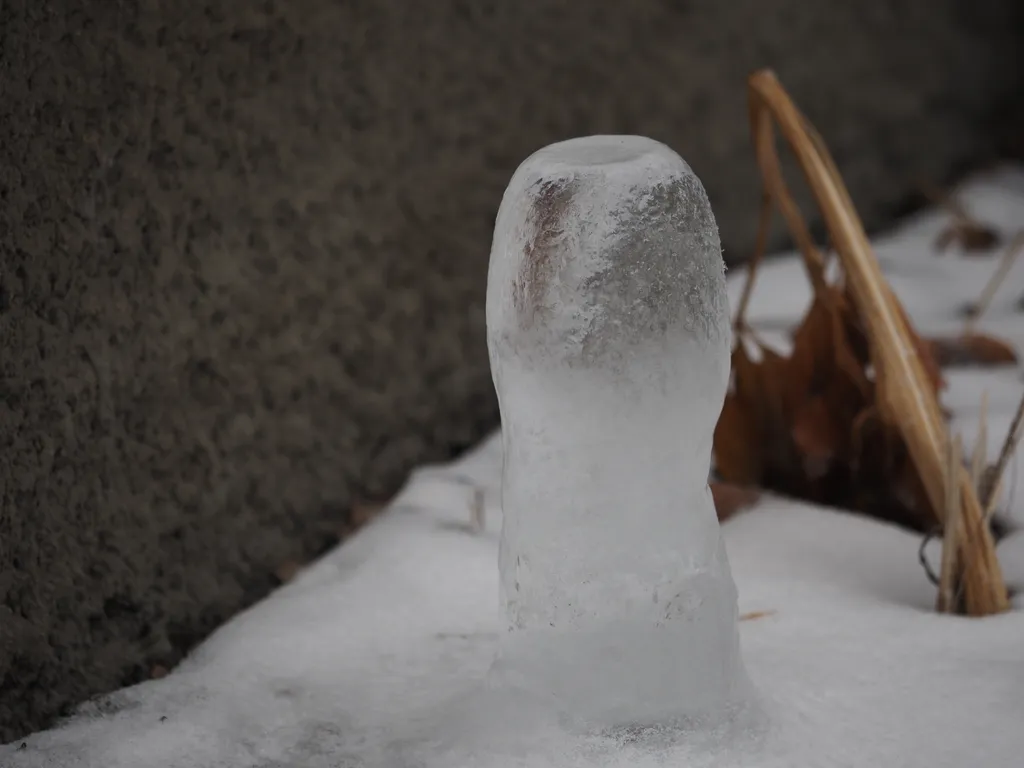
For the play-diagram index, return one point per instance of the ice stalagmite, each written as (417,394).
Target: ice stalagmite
(609,340)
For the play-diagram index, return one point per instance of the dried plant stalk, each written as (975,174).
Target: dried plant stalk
(979,457)
(946,601)
(1002,270)
(904,396)
(994,480)
(764,220)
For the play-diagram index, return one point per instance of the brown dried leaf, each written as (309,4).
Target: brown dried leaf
(731,498)
(851,350)
(746,374)
(971,349)
(816,435)
(812,342)
(829,314)
(740,435)
(736,450)
(973,237)
(754,615)
(775,381)
(829,357)
(794,424)
(737,447)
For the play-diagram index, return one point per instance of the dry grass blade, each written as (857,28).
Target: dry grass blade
(1010,255)
(775,185)
(904,395)
(994,479)
(946,601)
(764,221)
(979,458)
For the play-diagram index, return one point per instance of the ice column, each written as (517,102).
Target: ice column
(609,339)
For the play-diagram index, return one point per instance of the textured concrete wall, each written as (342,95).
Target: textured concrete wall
(243,246)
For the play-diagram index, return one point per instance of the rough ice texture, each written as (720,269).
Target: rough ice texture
(609,337)
(243,249)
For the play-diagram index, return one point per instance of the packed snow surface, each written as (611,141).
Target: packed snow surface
(378,654)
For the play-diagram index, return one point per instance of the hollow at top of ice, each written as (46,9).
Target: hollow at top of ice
(600,150)
(609,338)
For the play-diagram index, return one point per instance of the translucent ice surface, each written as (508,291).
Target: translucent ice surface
(609,338)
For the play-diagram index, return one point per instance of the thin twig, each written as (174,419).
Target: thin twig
(764,221)
(996,475)
(922,554)
(946,601)
(767,103)
(979,457)
(1013,250)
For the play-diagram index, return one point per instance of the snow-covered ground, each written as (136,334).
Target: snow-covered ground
(372,656)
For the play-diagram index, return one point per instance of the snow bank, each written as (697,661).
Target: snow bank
(374,656)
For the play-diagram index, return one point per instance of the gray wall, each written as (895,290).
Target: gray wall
(243,247)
